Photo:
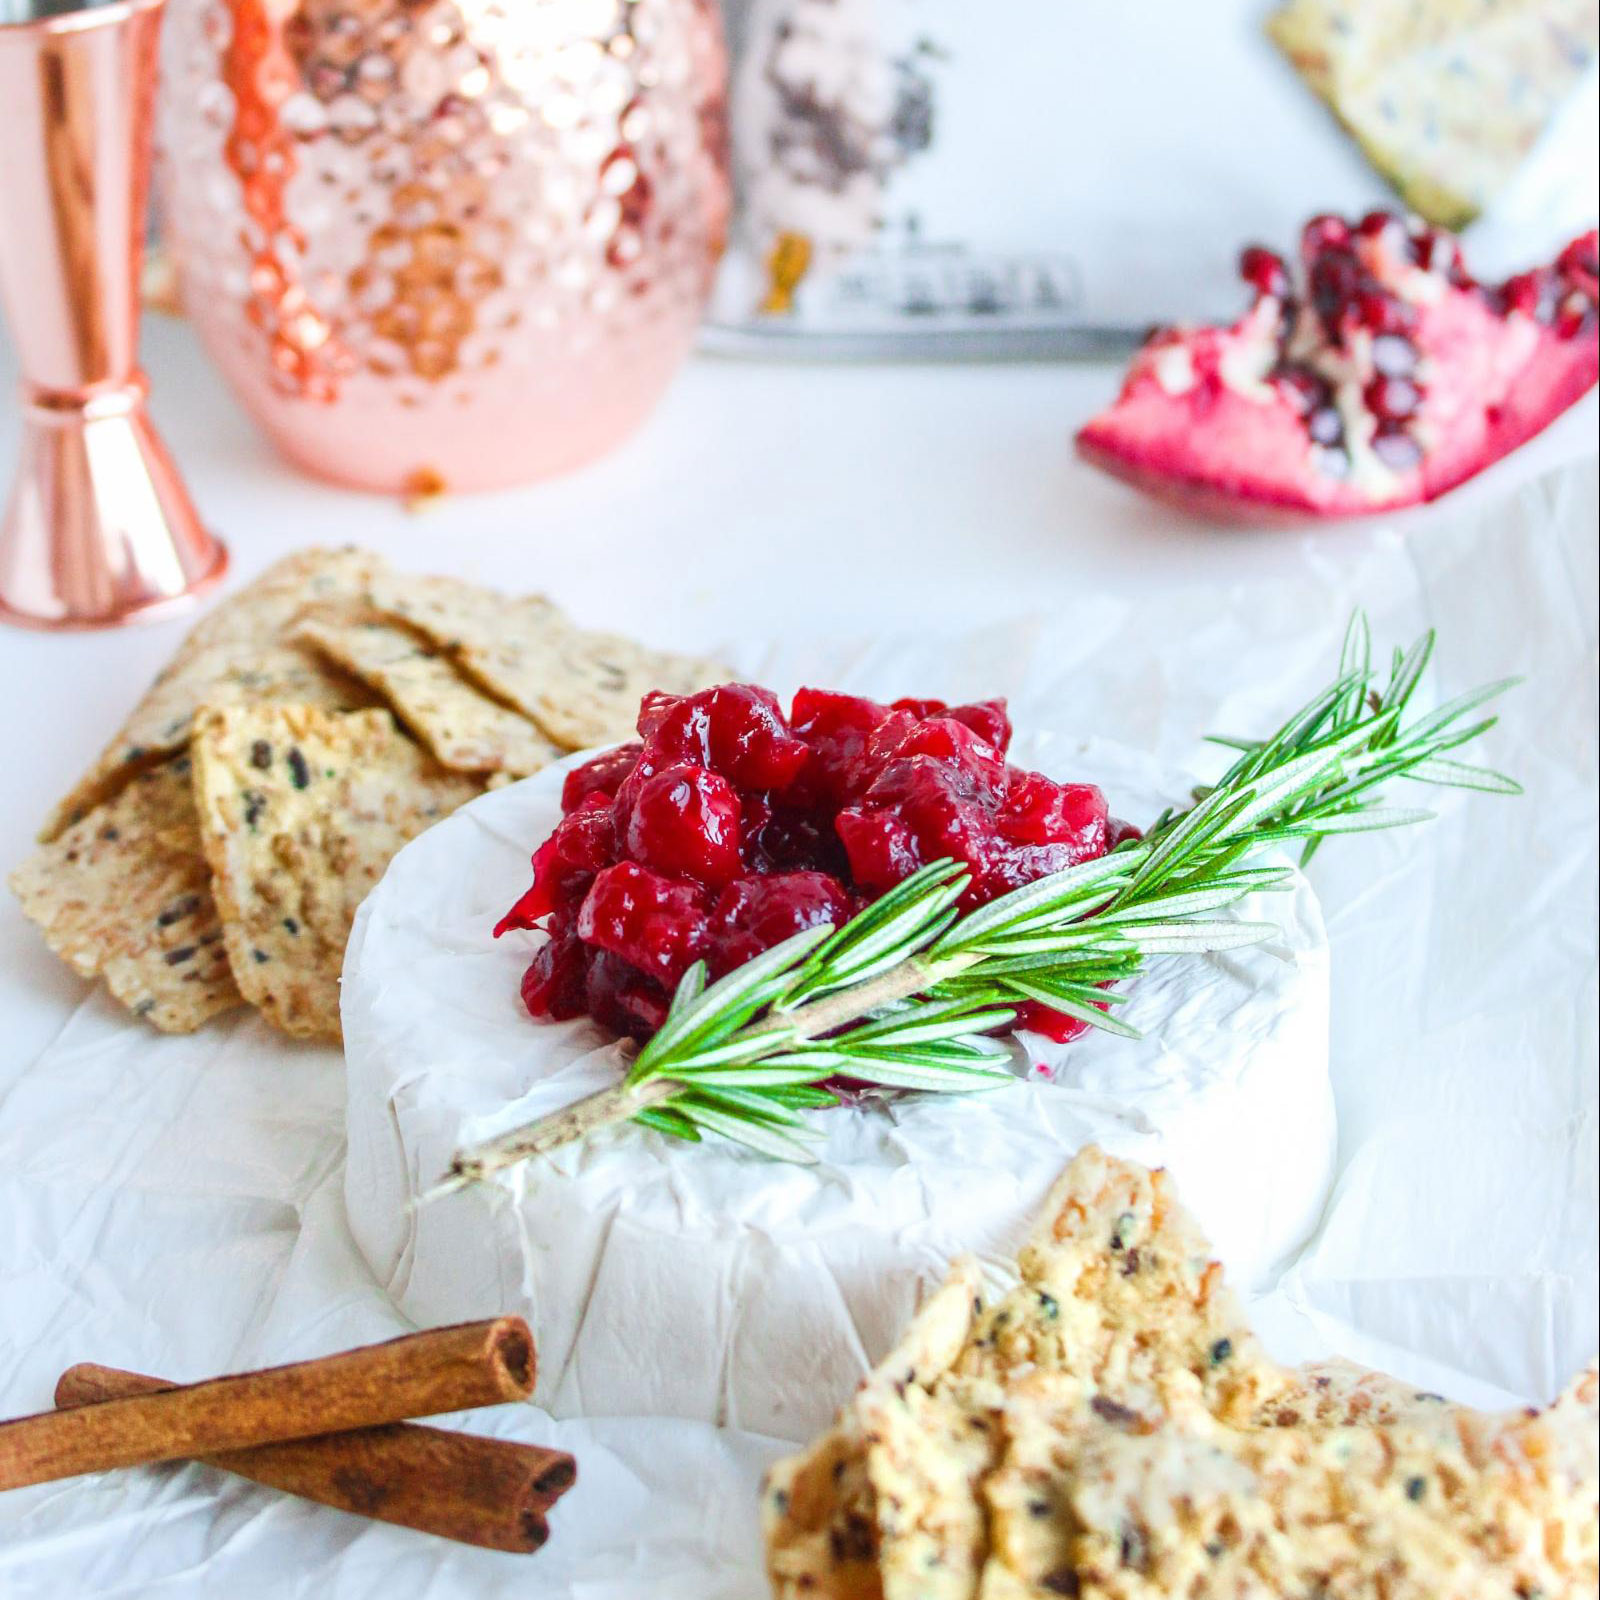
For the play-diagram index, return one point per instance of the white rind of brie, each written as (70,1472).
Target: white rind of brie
(705,1282)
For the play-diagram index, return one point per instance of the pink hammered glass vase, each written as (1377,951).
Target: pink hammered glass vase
(445,244)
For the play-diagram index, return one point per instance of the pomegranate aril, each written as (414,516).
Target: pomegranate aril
(1396,449)
(1392,399)
(1326,426)
(1265,271)
(1323,232)
(1381,313)
(1580,262)
(1305,390)
(1393,355)
(1534,294)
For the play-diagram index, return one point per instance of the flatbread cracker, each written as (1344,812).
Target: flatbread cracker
(300,812)
(465,729)
(583,689)
(238,654)
(124,895)
(1111,1429)
(1447,98)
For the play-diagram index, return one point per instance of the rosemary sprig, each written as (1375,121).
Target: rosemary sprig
(909,994)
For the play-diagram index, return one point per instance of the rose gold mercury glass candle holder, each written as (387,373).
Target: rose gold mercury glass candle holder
(445,243)
(99,530)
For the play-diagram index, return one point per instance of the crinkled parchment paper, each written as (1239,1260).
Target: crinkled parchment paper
(173,1204)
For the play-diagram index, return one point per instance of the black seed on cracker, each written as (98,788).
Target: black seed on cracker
(1114,1412)
(1065,1581)
(1220,1351)
(178,910)
(1416,1488)
(176,958)
(299,772)
(261,755)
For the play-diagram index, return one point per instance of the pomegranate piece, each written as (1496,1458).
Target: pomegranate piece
(685,822)
(656,924)
(1385,378)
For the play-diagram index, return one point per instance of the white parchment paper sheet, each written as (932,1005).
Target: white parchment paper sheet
(173,1205)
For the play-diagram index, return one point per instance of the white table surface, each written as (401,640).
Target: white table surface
(763,501)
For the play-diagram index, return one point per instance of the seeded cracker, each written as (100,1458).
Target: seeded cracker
(1110,1429)
(1446,97)
(238,653)
(300,812)
(583,689)
(462,726)
(124,895)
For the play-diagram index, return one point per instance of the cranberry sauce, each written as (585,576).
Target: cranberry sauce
(729,827)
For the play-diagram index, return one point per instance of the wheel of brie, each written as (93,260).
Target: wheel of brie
(707,1282)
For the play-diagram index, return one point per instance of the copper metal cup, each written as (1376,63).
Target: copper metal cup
(99,530)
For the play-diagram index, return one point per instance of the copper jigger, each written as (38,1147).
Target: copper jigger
(99,530)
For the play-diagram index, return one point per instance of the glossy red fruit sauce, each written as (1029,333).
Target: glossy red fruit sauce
(729,827)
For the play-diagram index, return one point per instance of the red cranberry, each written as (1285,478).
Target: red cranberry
(1265,271)
(1394,355)
(660,926)
(686,822)
(604,775)
(955,745)
(988,719)
(1039,811)
(1392,399)
(553,985)
(850,738)
(1055,1025)
(881,848)
(623,999)
(1396,449)
(921,709)
(735,730)
(565,864)
(754,914)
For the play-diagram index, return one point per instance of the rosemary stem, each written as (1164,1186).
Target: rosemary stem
(574,1123)
(912,977)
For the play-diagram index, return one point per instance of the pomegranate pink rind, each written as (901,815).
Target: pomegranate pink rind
(1382,376)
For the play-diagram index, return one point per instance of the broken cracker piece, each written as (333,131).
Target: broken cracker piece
(124,895)
(465,729)
(1111,1429)
(583,689)
(301,810)
(238,653)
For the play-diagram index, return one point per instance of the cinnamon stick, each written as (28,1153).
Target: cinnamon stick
(449,1369)
(488,1492)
